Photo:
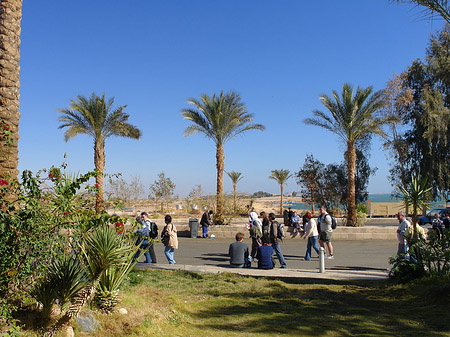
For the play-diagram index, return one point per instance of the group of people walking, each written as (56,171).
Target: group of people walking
(147,235)
(267,235)
(405,230)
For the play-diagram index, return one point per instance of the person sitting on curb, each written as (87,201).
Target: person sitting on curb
(238,253)
(264,255)
(296,223)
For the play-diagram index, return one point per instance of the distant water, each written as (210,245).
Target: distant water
(382,197)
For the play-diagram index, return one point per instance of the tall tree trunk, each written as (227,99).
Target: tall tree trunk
(99,162)
(10,17)
(281,201)
(312,201)
(220,164)
(234,197)
(351,168)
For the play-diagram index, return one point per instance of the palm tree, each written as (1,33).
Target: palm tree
(281,176)
(235,178)
(96,118)
(10,17)
(352,117)
(441,7)
(220,118)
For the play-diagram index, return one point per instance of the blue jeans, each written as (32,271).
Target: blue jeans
(277,251)
(146,253)
(312,242)
(205,231)
(168,251)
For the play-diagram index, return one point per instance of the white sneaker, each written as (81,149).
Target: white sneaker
(330,257)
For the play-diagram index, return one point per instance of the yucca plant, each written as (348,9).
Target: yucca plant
(416,195)
(100,249)
(107,294)
(65,277)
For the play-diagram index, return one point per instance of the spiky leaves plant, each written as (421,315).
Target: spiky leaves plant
(107,294)
(65,277)
(220,118)
(235,178)
(281,176)
(416,196)
(353,116)
(96,117)
(100,249)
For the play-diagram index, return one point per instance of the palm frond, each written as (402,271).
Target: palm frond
(94,116)
(220,117)
(281,176)
(235,176)
(431,8)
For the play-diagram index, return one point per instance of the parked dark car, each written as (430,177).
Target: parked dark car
(427,219)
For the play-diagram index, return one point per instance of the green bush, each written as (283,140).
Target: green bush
(48,211)
(424,258)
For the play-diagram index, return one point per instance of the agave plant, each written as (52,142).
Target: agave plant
(100,250)
(107,295)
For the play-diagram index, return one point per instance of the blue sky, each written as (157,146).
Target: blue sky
(153,55)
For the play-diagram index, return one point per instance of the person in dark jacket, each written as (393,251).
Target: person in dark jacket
(238,252)
(264,255)
(206,222)
(446,221)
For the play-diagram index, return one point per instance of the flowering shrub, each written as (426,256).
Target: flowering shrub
(48,208)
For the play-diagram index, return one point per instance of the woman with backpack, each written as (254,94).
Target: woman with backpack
(169,239)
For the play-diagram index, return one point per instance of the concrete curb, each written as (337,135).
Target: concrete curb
(332,273)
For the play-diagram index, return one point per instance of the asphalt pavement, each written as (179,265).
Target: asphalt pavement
(352,259)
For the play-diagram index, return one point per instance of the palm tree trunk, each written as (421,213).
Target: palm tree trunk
(75,307)
(281,201)
(220,164)
(351,168)
(10,28)
(99,162)
(234,198)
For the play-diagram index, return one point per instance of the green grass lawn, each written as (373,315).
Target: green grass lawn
(188,304)
(176,303)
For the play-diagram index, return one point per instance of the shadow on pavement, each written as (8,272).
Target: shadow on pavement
(356,268)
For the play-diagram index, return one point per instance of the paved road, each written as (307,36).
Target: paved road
(349,255)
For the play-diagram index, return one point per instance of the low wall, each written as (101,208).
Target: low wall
(340,233)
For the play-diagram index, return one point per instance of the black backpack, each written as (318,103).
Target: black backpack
(333,222)
(153,230)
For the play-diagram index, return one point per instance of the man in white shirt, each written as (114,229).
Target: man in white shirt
(401,229)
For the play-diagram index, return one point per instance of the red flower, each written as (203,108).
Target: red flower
(65,213)
(96,185)
(3,182)
(119,227)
